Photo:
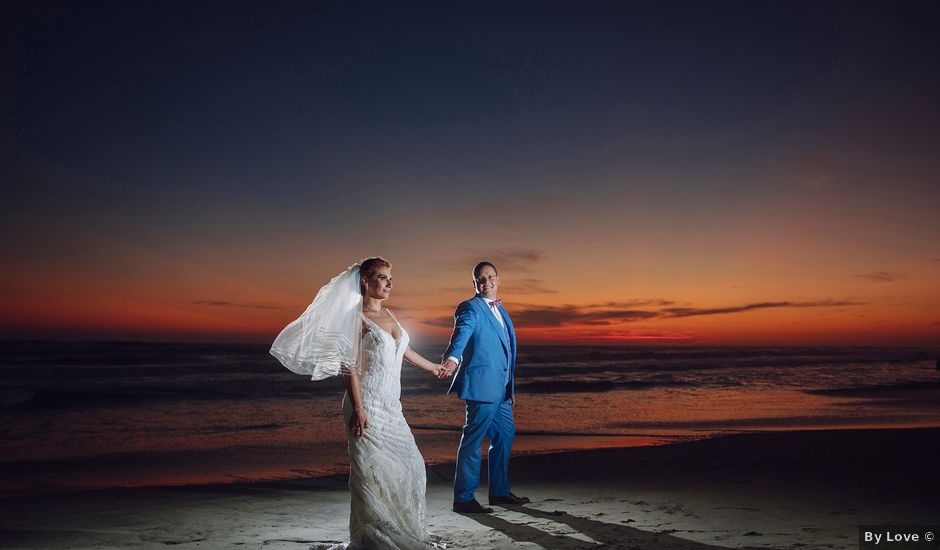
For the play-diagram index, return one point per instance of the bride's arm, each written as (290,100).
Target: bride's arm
(358,421)
(415,359)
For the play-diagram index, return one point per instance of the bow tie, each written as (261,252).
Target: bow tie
(496,303)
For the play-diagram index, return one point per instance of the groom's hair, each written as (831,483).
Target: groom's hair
(368,267)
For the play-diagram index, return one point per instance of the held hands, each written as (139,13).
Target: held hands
(446,369)
(358,422)
(438,371)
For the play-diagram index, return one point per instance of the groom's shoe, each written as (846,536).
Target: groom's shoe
(510,499)
(471,507)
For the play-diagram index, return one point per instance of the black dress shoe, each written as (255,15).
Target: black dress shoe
(471,507)
(509,499)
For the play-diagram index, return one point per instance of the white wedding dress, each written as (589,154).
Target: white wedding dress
(387,477)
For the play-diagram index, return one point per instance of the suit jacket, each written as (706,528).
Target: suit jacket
(486,353)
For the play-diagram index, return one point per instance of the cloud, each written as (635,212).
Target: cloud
(631,303)
(505,259)
(232,304)
(691,312)
(814,170)
(529,286)
(880,277)
(445,322)
(615,313)
(534,316)
(554,316)
(526,208)
(557,316)
(827,303)
(512,287)
(403,310)
(466,290)
(622,335)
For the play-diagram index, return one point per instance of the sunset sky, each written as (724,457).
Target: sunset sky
(639,172)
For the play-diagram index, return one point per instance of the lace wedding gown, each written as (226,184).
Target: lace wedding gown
(386,477)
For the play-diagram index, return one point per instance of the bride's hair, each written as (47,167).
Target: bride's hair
(368,267)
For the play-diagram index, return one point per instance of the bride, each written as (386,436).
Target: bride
(347,331)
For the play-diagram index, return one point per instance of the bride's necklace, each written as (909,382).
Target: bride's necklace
(373,310)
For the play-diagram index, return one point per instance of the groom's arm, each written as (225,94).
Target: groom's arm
(465,320)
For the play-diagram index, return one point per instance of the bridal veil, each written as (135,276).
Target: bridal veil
(324,341)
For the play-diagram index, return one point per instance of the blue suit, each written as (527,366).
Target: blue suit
(485,379)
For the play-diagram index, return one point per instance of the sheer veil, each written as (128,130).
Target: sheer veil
(324,341)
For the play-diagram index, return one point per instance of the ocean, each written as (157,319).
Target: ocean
(79,415)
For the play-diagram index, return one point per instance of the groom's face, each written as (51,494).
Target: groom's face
(487,282)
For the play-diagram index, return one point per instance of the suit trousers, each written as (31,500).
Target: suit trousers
(495,421)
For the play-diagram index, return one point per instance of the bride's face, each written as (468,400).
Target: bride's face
(379,286)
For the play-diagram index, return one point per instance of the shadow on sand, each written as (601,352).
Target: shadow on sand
(606,535)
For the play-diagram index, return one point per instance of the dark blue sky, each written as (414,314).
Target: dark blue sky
(186,129)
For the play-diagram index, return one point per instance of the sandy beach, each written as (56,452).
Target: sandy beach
(803,489)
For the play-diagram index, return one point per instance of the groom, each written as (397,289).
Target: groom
(483,345)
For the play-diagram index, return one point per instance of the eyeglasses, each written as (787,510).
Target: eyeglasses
(484,278)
